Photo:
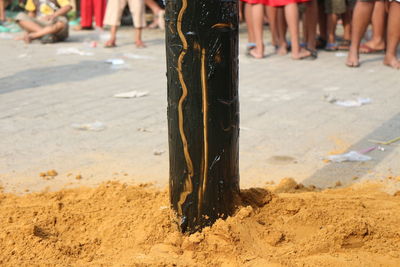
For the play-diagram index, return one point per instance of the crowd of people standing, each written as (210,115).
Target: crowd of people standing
(311,24)
(319,27)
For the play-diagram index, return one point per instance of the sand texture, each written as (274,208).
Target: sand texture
(120,225)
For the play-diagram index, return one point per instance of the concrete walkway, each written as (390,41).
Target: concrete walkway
(288,126)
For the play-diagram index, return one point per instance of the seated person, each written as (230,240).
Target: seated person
(46,20)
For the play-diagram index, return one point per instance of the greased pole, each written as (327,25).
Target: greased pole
(203,110)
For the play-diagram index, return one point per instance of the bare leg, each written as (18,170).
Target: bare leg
(258,25)
(138,38)
(272,15)
(311,17)
(346,17)
(113,37)
(361,17)
(52,29)
(2,11)
(322,22)
(158,14)
(282,28)
(377,41)
(331,27)
(29,26)
(292,19)
(393,36)
(240,11)
(249,21)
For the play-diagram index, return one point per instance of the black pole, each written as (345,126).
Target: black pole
(203,109)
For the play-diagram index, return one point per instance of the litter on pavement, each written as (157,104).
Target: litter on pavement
(132,94)
(95,126)
(350,156)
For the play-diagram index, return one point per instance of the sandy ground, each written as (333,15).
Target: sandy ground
(284,225)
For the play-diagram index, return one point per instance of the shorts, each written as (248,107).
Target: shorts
(60,36)
(338,6)
(116,7)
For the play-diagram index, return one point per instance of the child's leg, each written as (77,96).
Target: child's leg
(393,36)
(272,15)
(331,29)
(292,19)
(258,23)
(377,41)
(248,10)
(346,18)
(361,17)
(99,11)
(112,17)
(52,29)
(311,17)
(29,26)
(282,29)
(86,13)
(2,11)
(137,8)
(323,36)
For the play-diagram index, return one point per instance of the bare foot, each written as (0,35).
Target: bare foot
(27,38)
(140,44)
(256,55)
(110,43)
(303,53)
(282,50)
(352,60)
(373,45)
(392,62)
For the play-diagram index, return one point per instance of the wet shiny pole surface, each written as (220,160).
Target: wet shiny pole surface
(203,109)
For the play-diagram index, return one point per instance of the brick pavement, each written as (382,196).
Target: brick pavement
(287,128)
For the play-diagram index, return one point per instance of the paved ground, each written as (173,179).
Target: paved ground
(287,128)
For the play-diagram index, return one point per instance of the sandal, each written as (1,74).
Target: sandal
(321,43)
(331,47)
(366,49)
(344,45)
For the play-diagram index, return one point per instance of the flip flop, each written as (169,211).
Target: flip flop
(331,47)
(344,45)
(370,50)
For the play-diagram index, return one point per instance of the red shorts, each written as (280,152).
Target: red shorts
(254,2)
(277,3)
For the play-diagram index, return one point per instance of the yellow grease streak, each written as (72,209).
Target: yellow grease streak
(222,25)
(188,186)
(202,187)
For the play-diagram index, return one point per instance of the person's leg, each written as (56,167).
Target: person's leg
(2,11)
(112,18)
(346,18)
(322,30)
(29,26)
(99,11)
(361,18)
(240,11)
(331,29)
(51,29)
(272,15)
(137,8)
(377,41)
(248,10)
(292,19)
(258,26)
(282,29)
(86,14)
(393,36)
(311,17)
